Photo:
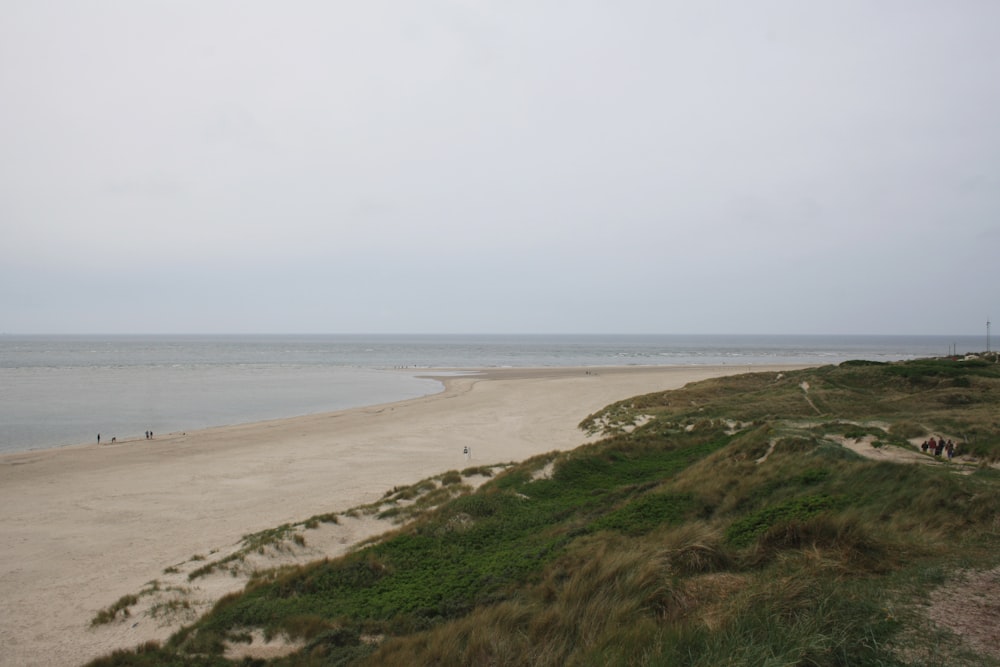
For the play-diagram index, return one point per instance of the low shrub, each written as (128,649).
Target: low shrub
(745,530)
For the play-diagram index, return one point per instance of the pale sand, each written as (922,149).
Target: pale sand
(83,526)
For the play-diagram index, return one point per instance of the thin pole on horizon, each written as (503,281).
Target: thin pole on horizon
(987,335)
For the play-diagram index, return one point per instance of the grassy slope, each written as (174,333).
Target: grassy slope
(672,542)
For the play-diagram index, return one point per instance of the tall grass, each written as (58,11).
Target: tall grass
(112,612)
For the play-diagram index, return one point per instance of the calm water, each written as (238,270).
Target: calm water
(60,390)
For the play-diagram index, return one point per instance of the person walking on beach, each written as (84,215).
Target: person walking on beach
(98,438)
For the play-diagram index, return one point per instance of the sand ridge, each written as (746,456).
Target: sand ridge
(88,524)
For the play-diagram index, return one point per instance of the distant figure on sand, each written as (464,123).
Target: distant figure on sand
(98,438)
(468,453)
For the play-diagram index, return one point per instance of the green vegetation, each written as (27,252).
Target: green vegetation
(122,607)
(111,613)
(720,524)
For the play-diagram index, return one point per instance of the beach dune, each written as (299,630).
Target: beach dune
(83,526)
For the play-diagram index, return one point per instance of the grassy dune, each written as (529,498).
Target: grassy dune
(721,524)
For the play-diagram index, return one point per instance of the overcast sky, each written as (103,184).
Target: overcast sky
(473,166)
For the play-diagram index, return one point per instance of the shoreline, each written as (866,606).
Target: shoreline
(444,376)
(440,375)
(87,524)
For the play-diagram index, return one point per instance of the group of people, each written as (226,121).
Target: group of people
(939,446)
(149,436)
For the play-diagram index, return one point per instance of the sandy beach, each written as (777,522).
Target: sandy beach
(83,526)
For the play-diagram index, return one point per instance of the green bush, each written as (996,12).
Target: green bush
(649,512)
(746,530)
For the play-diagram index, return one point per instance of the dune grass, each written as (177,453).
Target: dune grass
(717,524)
(121,606)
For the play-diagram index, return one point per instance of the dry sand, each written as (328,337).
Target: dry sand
(83,526)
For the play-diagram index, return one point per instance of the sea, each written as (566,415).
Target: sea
(65,390)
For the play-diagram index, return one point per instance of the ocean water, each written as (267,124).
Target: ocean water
(62,390)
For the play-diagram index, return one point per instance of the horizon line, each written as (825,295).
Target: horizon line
(471,333)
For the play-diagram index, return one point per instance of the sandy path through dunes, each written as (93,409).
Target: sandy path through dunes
(82,526)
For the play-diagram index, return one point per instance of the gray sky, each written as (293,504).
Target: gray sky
(475,166)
